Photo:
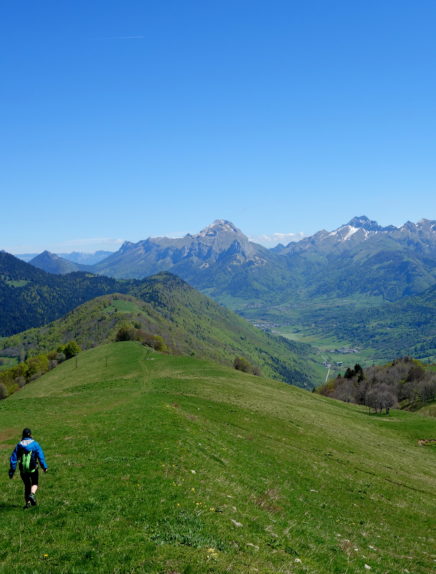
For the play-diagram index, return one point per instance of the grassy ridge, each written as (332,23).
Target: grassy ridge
(164,464)
(189,322)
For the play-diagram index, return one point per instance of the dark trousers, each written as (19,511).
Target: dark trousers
(29,479)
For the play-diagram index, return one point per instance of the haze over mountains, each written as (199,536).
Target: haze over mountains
(74,256)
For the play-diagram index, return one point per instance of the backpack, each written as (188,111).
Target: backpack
(27,462)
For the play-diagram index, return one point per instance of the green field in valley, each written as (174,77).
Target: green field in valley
(335,355)
(172,465)
(379,330)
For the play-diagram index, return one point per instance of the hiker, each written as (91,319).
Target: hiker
(28,454)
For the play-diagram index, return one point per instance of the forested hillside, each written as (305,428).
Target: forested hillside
(30,297)
(186,322)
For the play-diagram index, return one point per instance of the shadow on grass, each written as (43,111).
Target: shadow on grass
(5,506)
(366,413)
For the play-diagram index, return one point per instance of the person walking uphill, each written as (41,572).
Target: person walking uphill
(28,454)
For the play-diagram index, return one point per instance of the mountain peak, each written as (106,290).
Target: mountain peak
(364,222)
(52,263)
(219,226)
(427,224)
(49,254)
(45,255)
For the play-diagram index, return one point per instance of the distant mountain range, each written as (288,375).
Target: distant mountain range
(362,257)
(361,231)
(358,257)
(74,256)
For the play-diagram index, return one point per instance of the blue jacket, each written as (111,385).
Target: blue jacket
(28,445)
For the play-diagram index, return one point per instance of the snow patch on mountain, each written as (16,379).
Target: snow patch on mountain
(346,232)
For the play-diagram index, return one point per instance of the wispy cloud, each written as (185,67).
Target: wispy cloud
(273,239)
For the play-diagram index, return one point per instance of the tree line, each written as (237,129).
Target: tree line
(404,383)
(13,379)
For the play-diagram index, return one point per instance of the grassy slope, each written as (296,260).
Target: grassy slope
(164,464)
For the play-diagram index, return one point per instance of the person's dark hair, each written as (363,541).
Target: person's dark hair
(26,433)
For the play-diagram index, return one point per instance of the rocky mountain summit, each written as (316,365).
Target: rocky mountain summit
(219,243)
(360,257)
(361,229)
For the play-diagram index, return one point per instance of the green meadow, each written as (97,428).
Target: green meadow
(171,465)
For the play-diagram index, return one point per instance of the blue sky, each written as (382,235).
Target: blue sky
(122,120)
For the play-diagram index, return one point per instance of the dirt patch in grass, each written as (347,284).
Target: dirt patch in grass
(268,500)
(427,442)
(7,434)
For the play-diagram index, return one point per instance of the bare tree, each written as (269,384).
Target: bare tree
(345,392)
(380,397)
